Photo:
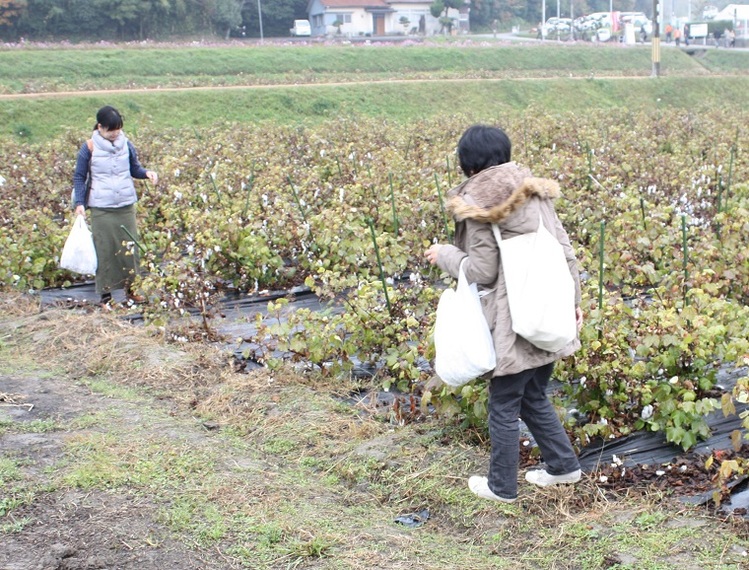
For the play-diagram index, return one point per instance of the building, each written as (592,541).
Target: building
(353,18)
(739,15)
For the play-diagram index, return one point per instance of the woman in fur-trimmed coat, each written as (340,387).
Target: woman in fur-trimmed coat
(499,191)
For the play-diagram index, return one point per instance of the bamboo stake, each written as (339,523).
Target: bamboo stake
(250,184)
(135,241)
(685,255)
(215,188)
(396,224)
(442,206)
(379,263)
(600,267)
(296,198)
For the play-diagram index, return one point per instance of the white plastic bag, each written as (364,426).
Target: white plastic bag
(540,289)
(462,339)
(79,254)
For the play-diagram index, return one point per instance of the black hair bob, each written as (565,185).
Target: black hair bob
(109,118)
(481,147)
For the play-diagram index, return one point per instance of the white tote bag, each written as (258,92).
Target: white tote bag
(540,289)
(462,339)
(79,254)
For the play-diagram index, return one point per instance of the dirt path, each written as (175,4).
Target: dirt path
(83,528)
(98,92)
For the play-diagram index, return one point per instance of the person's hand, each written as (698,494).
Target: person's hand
(152,176)
(432,252)
(579,318)
(80,211)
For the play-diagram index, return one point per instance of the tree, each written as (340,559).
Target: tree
(439,9)
(10,11)
(278,16)
(227,15)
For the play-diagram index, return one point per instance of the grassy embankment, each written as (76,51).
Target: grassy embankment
(397,83)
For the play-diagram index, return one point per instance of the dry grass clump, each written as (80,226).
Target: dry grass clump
(90,344)
(18,304)
(199,377)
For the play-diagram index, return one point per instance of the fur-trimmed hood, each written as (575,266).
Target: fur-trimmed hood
(497,192)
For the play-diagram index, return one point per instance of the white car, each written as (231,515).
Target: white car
(555,26)
(301,28)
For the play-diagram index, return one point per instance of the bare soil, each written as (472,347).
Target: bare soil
(80,529)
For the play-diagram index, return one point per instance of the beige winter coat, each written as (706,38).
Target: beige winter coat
(511,197)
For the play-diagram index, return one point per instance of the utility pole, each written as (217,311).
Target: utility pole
(543,20)
(656,41)
(260,17)
(572,20)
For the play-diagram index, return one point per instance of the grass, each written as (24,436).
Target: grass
(242,86)
(39,120)
(291,478)
(31,70)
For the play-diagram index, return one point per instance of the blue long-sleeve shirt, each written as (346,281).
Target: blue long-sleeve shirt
(82,169)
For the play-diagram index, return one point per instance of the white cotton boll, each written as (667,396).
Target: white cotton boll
(603,479)
(389,280)
(2,181)
(647,412)
(660,472)
(341,194)
(673,380)
(177,195)
(177,172)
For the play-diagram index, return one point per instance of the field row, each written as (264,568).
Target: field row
(658,200)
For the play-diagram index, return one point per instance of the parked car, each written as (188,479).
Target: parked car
(556,26)
(301,28)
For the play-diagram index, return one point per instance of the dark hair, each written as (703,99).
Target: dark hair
(109,118)
(482,146)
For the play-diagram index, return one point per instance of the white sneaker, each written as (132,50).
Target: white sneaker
(541,478)
(480,487)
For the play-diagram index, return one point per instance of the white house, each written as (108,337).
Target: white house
(738,14)
(377,17)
